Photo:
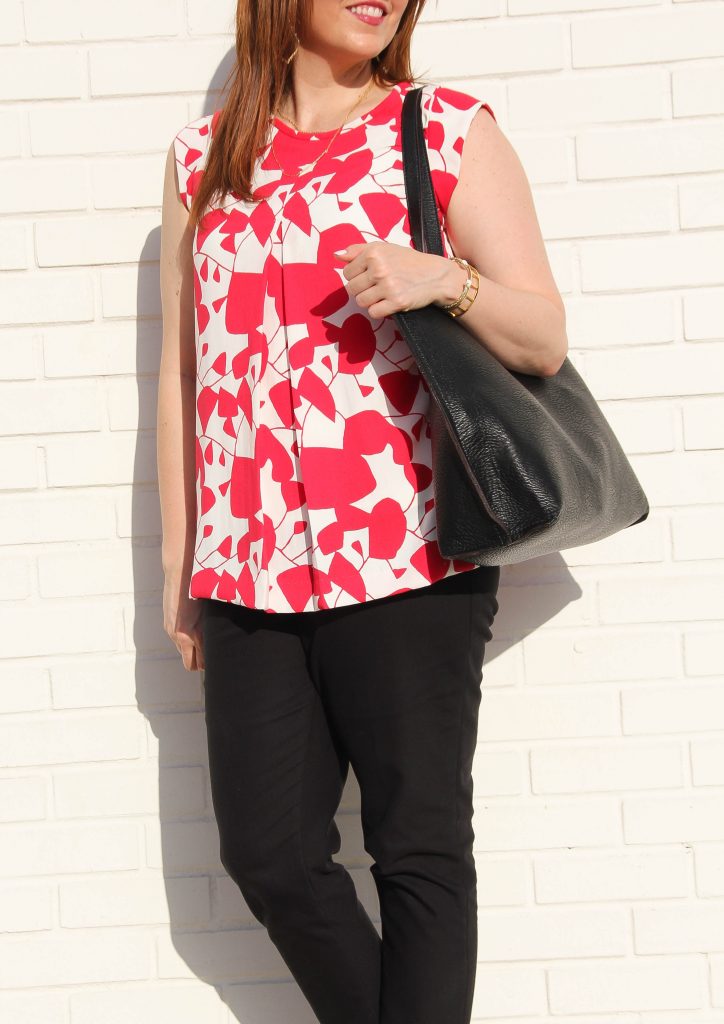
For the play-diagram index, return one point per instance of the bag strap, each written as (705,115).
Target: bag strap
(421,202)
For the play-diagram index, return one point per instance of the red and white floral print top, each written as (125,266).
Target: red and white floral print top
(313,453)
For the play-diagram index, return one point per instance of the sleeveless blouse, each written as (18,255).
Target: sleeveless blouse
(313,455)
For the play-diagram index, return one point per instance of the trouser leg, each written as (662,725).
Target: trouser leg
(277,776)
(401,679)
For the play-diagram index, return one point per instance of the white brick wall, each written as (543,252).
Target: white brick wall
(600,768)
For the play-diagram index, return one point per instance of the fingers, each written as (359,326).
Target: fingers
(357,283)
(378,283)
(378,304)
(190,648)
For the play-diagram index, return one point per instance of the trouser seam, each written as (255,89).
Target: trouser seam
(466,895)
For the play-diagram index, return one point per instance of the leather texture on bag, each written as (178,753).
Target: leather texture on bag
(522,465)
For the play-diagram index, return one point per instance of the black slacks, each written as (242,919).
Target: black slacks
(392,687)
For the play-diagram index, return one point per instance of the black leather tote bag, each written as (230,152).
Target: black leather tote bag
(522,465)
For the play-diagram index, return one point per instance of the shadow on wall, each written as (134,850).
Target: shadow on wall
(213,936)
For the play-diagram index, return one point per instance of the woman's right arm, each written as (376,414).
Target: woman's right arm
(176,422)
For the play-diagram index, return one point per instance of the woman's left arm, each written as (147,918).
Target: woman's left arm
(491,221)
(518,313)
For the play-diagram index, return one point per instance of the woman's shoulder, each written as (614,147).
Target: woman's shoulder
(447,114)
(191,146)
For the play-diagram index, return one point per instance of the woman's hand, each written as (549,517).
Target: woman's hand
(387,278)
(182,620)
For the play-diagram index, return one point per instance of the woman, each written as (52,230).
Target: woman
(301,566)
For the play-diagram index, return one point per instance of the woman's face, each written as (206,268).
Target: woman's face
(341,30)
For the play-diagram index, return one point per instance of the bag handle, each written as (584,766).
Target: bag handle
(421,203)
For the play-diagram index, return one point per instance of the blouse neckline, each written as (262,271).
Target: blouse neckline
(379,108)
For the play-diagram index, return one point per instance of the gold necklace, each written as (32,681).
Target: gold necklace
(310,166)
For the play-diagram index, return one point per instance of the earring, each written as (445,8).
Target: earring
(289,59)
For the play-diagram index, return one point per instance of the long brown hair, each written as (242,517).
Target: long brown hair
(261,79)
